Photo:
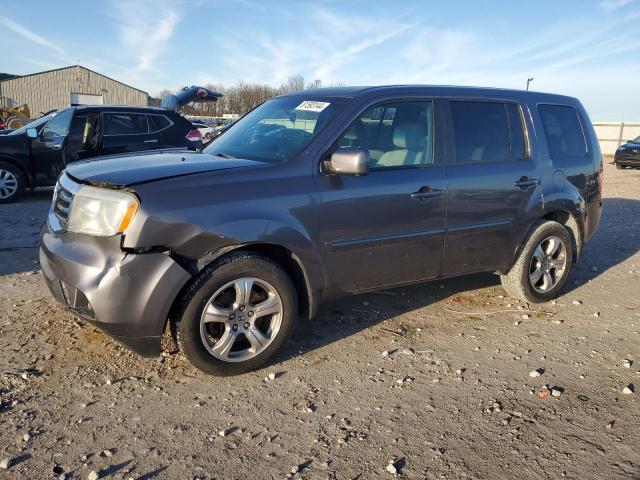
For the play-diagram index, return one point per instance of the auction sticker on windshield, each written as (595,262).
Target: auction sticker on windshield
(312,106)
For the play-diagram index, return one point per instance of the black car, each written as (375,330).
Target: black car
(318,194)
(34,155)
(628,154)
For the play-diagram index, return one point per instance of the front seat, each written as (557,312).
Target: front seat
(411,140)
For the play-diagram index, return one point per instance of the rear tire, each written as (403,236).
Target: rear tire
(619,167)
(543,265)
(12,183)
(238,312)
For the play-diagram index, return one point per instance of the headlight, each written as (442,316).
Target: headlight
(101,212)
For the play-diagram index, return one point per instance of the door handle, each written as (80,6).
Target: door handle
(155,140)
(426,192)
(526,182)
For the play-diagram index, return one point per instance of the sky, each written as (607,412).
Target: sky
(589,49)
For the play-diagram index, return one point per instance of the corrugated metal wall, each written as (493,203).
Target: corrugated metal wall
(52,90)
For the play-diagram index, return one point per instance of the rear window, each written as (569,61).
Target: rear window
(563,130)
(480,131)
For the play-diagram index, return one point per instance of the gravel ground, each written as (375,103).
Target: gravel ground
(429,381)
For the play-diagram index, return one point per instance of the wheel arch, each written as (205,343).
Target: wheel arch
(284,257)
(19,165)
(564,217)
(572,224)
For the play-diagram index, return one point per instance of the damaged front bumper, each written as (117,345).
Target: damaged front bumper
(126,295)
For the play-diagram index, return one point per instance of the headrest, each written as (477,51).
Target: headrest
(410,136)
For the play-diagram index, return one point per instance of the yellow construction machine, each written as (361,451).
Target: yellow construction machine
(15,117)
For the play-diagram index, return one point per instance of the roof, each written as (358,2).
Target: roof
(15,77)
(445,90)
(120,107)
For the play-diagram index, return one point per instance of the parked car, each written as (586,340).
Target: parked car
(34,155)
(628,154)
(318,194)
(205,130)
(217,131)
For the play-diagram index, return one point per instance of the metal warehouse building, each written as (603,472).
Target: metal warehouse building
(62,87)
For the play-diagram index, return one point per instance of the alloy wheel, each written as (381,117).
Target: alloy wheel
(8,184)
(548,264)
(241,319)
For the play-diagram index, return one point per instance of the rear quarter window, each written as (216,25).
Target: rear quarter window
(158,122)
(563,131)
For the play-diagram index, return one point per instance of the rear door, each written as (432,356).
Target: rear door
(162,132)
(125,132)
(386,227)
(493,184)
(49,149)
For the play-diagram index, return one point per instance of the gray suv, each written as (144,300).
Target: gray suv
(318,194)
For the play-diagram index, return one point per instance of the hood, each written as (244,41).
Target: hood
(126,171)
(7,140)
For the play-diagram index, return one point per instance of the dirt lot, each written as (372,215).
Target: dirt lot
(429,378)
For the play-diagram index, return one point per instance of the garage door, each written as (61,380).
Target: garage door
(86,99)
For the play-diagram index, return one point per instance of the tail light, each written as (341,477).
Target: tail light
(194,136)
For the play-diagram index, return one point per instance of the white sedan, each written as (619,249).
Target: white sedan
(205,130)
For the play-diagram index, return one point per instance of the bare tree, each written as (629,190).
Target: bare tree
(242,97)
(294,83)
(317,83)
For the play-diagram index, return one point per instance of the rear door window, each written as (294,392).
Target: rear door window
(480,132)
(125,124)
(563,131)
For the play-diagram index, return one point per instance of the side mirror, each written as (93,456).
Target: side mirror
(349,161)
(32,133)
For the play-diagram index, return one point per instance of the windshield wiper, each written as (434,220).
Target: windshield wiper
(225,155)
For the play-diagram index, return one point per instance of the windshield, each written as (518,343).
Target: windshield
(35,124)
(277,130)
(636,140)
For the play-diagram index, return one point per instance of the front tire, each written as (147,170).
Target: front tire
(12,183)
(543,265)
(237,313)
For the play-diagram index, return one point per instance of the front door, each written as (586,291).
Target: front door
(493,185)
(386,227)
(49,151)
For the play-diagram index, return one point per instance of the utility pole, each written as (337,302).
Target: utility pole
(529,80)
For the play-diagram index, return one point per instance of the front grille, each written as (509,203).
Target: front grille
(61,204)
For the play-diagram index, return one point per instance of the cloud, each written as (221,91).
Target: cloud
(633,15)
(32,37)
(315,41)
(145,28)
(612,5)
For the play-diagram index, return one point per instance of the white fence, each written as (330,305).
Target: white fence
(612,134)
